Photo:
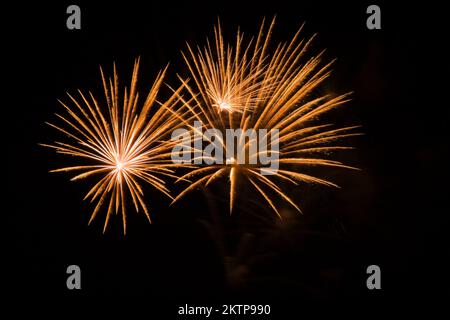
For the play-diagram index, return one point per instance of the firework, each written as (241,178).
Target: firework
(246,86)
(121,142)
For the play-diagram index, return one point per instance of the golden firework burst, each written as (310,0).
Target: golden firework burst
(251,87)
(122,141)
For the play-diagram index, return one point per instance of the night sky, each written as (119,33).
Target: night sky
(393,213)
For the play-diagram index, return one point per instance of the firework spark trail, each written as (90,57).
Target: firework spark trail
(125,143)
(246,87)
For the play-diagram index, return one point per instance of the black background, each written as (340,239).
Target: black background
(392,213)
